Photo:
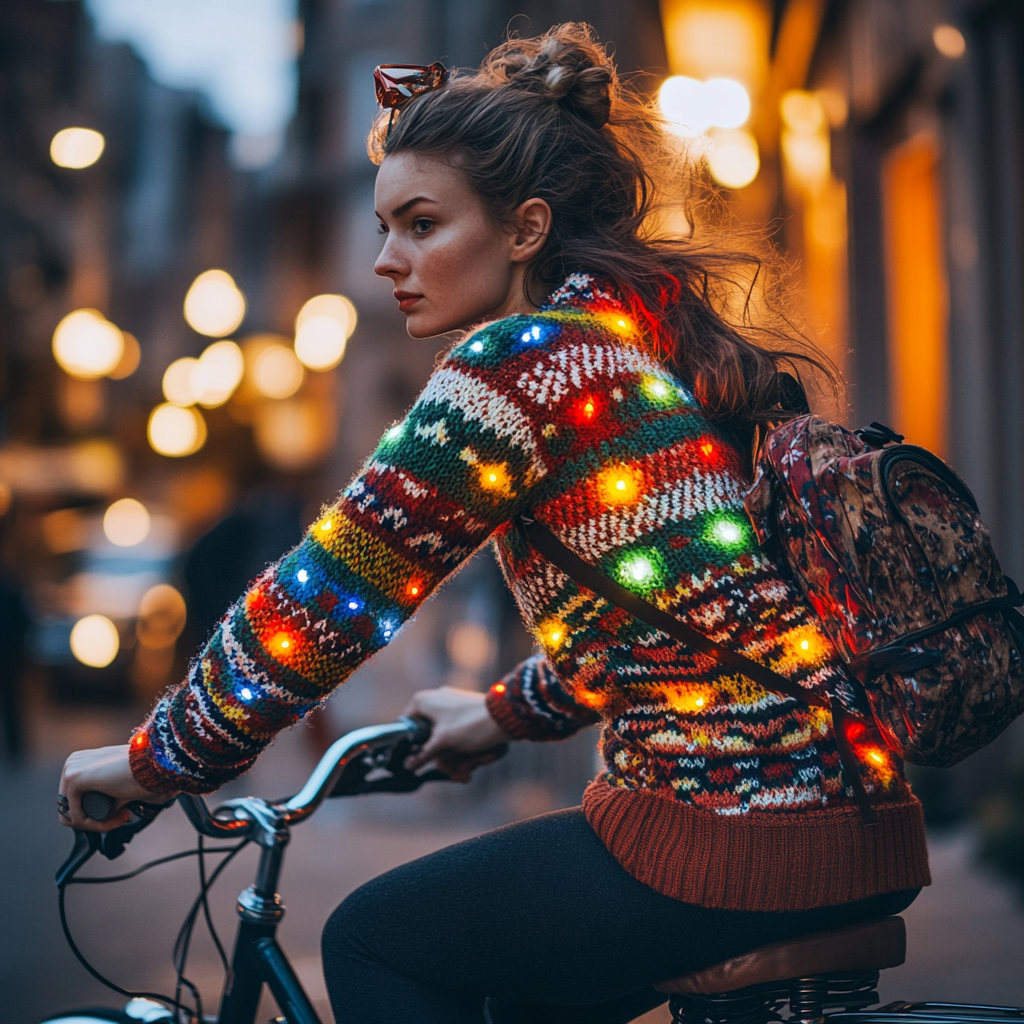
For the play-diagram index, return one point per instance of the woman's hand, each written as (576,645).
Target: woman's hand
(106,770)
(464,733)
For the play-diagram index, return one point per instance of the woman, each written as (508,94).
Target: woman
(602,390)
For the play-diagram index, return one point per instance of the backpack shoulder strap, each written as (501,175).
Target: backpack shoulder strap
(564,558)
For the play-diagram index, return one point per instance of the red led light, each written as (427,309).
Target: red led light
(855,731)
(140,740)
(498,688)
(707,450)
(586,409)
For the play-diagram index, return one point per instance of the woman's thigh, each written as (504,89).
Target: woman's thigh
(540,912)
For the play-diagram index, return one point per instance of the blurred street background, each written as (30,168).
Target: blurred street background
(195,354)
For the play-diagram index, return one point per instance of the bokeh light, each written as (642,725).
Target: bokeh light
(126,523)
(76,147)
(86,345)
(691,107)
(322,329)
(733,158)
(130,358)
(295,434)
(161,617)
(214,306)
(176,432)
(277,372)
(177,381)
(217,373)
(803,112)
(949,41)
(94,641)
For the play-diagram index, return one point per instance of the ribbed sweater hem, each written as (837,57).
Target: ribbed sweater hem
(760,861)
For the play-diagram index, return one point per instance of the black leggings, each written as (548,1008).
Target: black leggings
(536,918)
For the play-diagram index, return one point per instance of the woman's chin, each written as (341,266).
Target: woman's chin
(422,325)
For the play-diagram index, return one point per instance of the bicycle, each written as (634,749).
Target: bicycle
(836,970)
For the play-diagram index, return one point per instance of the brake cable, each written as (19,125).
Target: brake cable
(206,885)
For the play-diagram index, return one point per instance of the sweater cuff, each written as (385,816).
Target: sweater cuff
(509,716)
(151,775)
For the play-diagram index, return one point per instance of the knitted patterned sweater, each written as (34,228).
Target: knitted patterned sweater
(714,790)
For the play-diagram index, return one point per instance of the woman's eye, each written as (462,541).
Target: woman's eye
(382,228)
(421,225)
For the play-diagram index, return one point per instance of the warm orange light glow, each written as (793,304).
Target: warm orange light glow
(283,643)
(876,756)
(494,477)
(86,345)
(322,330)
(712,38)
(917,291)
(214,306)
(325,525)
(619,485)
(690,699)
(176,432)
(498,688)
(734,158)
(949,41)
(706,450)
(552,634)
(140,741)
(414,588)
(806,644)
(95,641)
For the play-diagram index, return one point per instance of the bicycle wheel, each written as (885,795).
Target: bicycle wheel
(91,1015)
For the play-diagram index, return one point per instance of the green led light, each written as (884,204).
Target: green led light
(657,390)
(639,570)
(395,432)
(726,532)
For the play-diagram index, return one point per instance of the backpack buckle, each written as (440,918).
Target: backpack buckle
(878,435)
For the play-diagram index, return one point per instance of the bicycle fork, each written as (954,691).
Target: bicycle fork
(257,957)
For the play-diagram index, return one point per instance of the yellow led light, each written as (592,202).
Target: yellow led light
(494,477)
(325,525)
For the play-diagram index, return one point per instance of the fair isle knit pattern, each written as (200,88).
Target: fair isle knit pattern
(567,414)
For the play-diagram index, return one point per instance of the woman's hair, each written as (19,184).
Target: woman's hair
(547,117)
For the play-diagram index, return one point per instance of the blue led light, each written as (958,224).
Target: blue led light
(353,606)
(302,576)
(534,334)
(477,346)
(245,694)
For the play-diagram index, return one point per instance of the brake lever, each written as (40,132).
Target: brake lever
(110,844)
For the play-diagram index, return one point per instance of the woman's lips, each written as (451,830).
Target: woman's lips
(406,300)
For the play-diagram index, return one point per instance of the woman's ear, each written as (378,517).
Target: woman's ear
(532,221)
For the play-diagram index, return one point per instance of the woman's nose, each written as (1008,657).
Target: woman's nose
(389,263)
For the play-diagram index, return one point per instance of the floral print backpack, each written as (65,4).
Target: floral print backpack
(887,544)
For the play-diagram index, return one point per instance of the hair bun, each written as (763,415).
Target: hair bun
(568,67)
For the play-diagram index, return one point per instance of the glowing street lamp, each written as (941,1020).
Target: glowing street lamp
(213,305)
(76,148)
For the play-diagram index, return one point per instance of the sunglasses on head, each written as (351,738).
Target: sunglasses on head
(396,84)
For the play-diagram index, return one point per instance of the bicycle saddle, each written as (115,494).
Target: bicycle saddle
(869,946)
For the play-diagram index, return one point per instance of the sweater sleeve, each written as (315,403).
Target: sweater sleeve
(531,703)
(466,459)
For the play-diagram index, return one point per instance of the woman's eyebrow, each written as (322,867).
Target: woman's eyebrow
(399,210)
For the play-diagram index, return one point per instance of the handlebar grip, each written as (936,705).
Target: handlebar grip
(420,729)
(98,806)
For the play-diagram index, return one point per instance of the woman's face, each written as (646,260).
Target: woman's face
(451,263)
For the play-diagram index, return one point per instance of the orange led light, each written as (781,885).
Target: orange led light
(283,643)
(619,485)
(706,450)
(552,634)
(876,756)
(498,688)
(494,477)
(414,588)
(690,699)
(140,740)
